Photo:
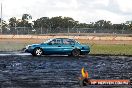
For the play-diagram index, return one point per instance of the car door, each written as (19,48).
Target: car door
(54,47)
(68,46)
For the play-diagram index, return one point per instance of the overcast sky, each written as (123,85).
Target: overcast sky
(116,11)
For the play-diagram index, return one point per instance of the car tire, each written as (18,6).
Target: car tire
(33,54)
(75,52)
(69,55)
(37,52)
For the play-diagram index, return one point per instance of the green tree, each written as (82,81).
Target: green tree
(84,25)
(25,20)
(129,24)
(13,22)
(55,23)
(26,17)
(4,26)
(103,24)
(43,22)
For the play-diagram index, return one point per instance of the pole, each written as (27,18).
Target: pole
(1,18)
(41,30)
(68,27)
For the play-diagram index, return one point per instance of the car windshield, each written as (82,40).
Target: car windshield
(77,42)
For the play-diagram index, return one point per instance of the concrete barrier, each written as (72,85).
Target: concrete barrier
(22,36)
(6,36)
(95,38)
(124,38)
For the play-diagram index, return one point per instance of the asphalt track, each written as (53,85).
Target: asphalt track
(22,70)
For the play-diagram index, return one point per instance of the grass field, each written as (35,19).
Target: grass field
(117,49)
(97,47)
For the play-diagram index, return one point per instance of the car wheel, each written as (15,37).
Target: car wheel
(37,52)
(69,55)
(75,52)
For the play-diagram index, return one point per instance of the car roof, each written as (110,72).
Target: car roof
(61,38)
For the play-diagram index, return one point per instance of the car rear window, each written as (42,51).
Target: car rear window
(68,42)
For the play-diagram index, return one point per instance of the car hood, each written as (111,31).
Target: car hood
(86,46)
(39,44)
(33,45)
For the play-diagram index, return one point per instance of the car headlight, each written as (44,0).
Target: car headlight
(27,47)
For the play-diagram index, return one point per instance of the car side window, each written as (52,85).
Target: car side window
(68,42)
(72,42)
(56,42)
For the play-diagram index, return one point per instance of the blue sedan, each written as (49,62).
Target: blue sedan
(64,46)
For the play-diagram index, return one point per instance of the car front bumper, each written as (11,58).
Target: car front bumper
(84,52)
(28,50)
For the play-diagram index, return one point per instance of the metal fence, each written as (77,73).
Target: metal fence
(26,30)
